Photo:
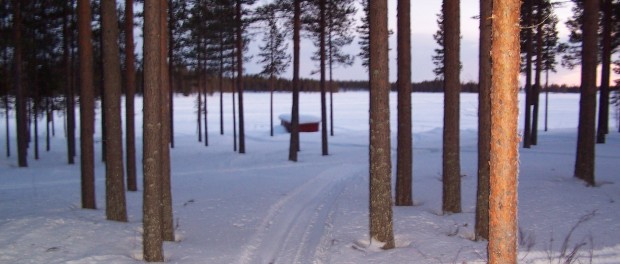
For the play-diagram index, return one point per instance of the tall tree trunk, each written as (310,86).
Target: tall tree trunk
(69,96)
(324,145)
(271,86)
(527,130)
(240,76)
(171,41)
(35,121)
(294,142)
(199,92)
(538,71)
(151,162)
(233,84)
(47,123)
(584,163)
(130,90)
(452,86)
(221,84)
(6,122)
(166,188)
(404,155)
(204,109)
(484,120)
(115,187)
(603,111)
(21,116)
(504,158)
(546,98)
(380,153)
(87,105)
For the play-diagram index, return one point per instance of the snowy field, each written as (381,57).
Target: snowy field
(259,207)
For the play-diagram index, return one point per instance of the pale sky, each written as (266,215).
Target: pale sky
(423,26)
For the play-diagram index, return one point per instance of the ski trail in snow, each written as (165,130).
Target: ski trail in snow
(291,231)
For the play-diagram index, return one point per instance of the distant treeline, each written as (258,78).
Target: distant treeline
(260,84)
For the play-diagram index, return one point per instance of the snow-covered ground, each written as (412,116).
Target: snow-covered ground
(259,207)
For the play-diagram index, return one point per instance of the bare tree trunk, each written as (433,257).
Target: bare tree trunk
(527,128)
(504,158)
(537,76)
(130,91)
(69,98)
(484,120)
(324,145)
(404,155)
(584,163)
(21,116)
(294,142)
(151,162)
(546,98)
(452,86)
(115,187)
(271,86)
(166,188)
(603,111)
(171,42)
(240,77)
(87,105)
(380,152)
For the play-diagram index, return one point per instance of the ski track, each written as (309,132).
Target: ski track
(292,229)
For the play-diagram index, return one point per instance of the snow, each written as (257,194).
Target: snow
(261,208)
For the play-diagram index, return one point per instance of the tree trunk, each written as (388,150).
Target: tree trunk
(537,76)
(115,187)
(504,158)
(130,91)
(21,116)
(240,77)
(324,145)
(151,162)
(527,128)
(294,142)
(404,155)
(170,74)
(603,111)
(87,105)
(69,98)
(484,120)
(584,163)
(452,86)
(166,188)
(380,152)
(271,86)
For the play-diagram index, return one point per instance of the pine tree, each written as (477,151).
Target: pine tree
(404,151)
(504,157)
(381,229)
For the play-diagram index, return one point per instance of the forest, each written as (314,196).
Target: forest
(78,60)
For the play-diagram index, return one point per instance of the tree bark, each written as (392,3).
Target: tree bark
(87,105)
(380,152)
(151,162)
(240,77)
(603,111)
(484,120)
(537,75)
(115,187)
(294,142)
(130,90)
(452,86)
(166,188)
(527,128)
(504,158)
(584,163)
(324,145)
(69,96)
(404,154)
(20,100)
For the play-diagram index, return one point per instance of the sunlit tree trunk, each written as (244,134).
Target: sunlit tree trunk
(504,149)
(452,87)
(151,162)
(404,154)
(380,153)
(584,163)
(484,120)
(115,187)
(87,105)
